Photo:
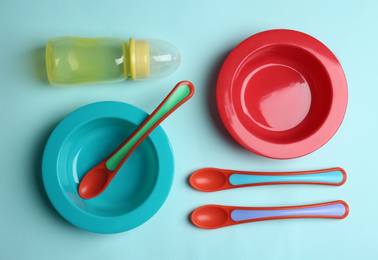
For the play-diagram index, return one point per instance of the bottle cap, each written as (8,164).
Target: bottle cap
(152,58)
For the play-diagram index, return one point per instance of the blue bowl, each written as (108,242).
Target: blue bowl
(80,142)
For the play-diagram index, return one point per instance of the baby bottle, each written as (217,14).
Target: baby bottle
(74,60)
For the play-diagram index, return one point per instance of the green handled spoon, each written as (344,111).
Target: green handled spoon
(99,177)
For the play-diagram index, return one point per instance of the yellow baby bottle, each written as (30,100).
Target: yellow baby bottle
(74,60)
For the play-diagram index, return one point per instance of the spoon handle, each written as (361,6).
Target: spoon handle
(332,176)
(335,209)
(183,91)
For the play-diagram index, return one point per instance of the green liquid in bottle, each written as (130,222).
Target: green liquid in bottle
(73,60)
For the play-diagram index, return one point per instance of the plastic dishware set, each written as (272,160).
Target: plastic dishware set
(108,166)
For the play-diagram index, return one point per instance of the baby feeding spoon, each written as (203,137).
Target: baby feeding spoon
(99,177)
(217,216)
(213,179)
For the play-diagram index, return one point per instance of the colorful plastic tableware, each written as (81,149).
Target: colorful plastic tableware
(282,94)
(85,137)
(217,216)
(99,177)
(213,179)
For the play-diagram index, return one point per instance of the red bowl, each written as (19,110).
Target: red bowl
(282,94)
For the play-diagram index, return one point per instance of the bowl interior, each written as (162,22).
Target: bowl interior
(88,145)
(282,93)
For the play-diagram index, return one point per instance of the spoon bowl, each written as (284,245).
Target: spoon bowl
(208,179)
(98,175)
(210,216)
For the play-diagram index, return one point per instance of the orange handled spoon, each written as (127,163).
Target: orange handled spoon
(213,179)
(99,177)
(217,216)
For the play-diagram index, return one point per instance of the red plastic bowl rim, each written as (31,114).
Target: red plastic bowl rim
(307,43)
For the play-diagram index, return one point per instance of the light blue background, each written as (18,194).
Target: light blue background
(205,32)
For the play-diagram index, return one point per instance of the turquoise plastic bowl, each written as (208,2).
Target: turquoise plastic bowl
(80,142)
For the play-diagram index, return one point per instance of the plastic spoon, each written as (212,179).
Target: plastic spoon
(213,179)
(99,177)
(217,216)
